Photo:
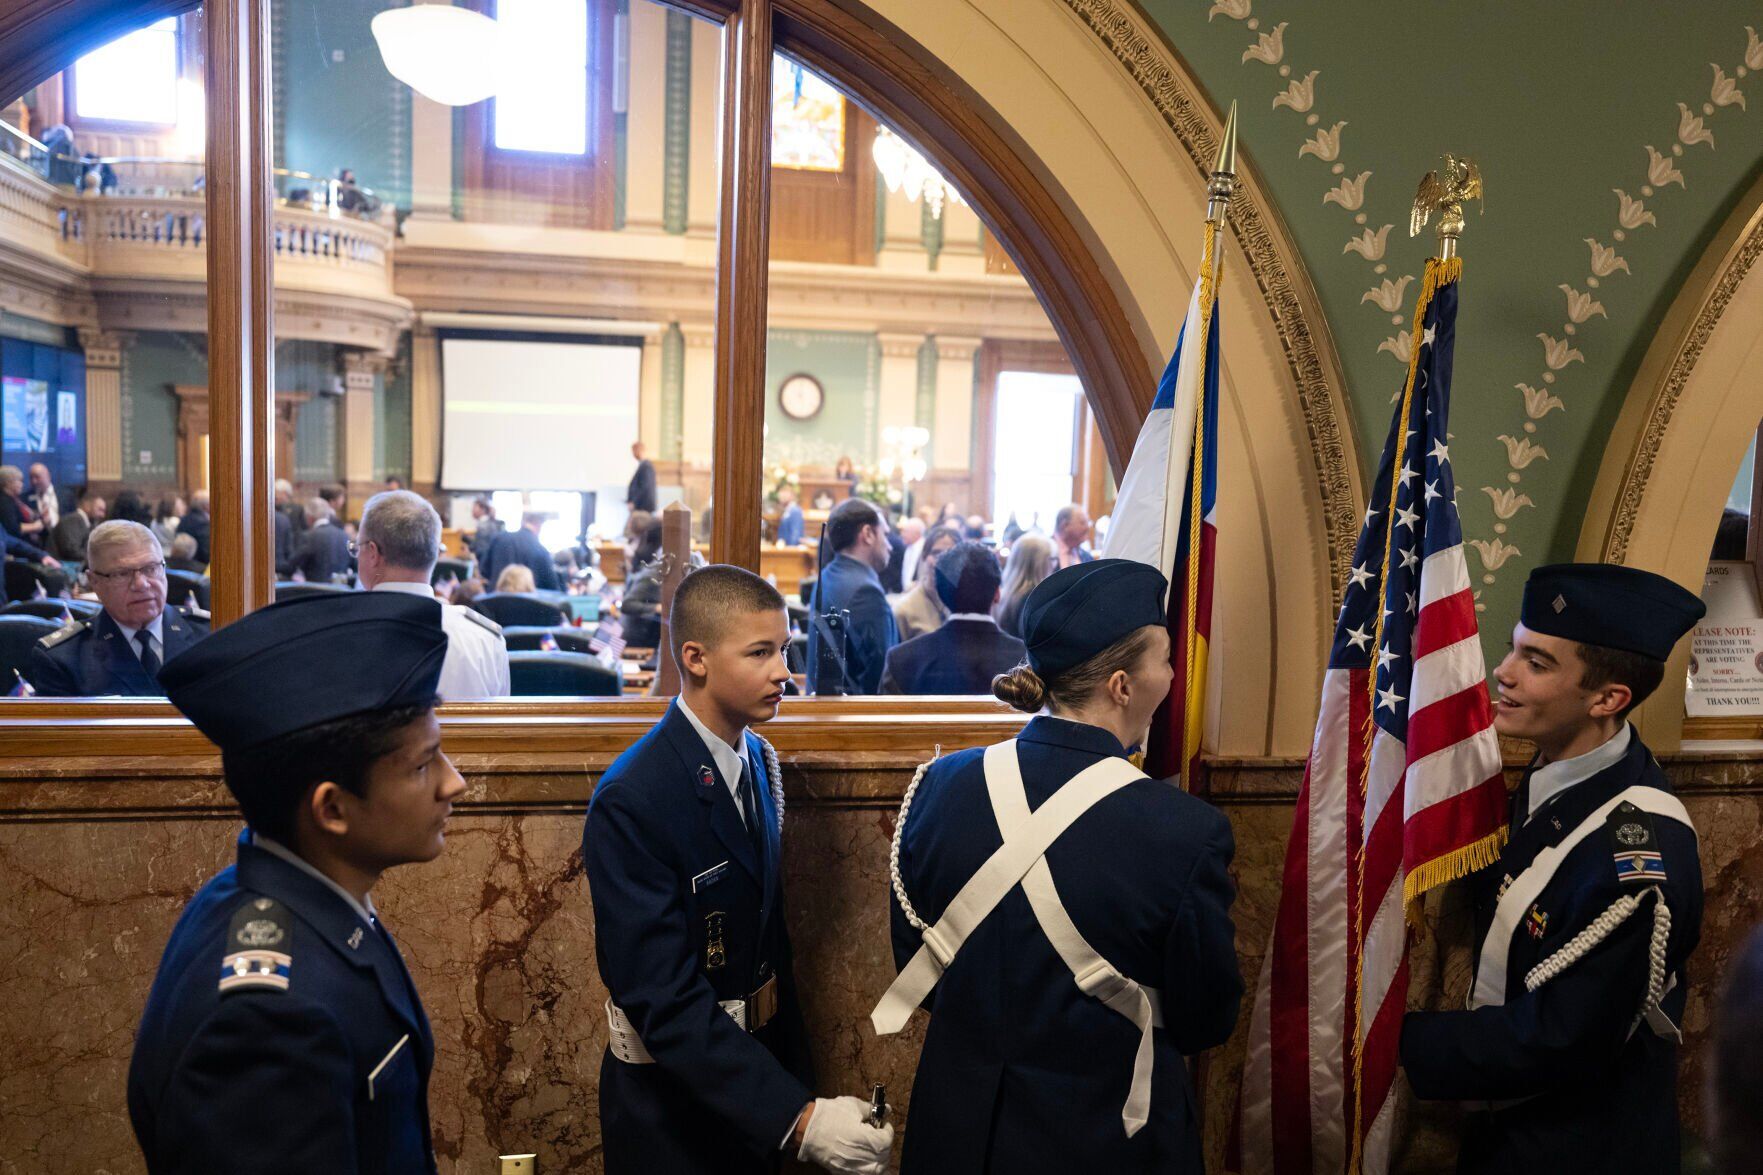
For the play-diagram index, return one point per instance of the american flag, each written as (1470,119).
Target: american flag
(547,643)
(1167,510)
(1402,792)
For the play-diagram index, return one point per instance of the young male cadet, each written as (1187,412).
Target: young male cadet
(707,1069)
(283,1035)
(1567,1055)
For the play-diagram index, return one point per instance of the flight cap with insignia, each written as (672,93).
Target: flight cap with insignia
(1079,611)
(308,661)
(1614,607)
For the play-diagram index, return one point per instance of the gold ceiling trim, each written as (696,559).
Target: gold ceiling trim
(1272,255)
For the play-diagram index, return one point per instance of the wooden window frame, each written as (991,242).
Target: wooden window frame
(880,70)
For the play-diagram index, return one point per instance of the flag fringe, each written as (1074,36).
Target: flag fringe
(1453,865)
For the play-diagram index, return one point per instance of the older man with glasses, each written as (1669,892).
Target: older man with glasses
(119,653)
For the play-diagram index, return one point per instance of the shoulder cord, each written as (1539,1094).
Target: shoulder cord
(775,776)
(918,923)
(1602,927)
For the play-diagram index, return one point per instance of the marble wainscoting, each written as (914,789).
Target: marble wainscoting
(99,852)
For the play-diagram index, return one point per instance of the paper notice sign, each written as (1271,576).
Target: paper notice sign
(1726,670)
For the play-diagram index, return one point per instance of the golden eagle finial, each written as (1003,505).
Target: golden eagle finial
(1444,192)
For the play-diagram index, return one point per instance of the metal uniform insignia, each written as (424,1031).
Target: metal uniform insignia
(1634,846)
(706,777)
(258,942)
(715,950)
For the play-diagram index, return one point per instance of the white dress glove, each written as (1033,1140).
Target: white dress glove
(840,1138)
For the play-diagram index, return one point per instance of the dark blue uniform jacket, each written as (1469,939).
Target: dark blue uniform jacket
(98,662)
(961,657)
(329,1075)
(670,867)
(1597,1098)
(1021,1071)
(852,622)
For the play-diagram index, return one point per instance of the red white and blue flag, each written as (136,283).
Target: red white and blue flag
(1166,515)
(1403,791)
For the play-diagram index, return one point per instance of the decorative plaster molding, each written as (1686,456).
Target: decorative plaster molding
(1272,257)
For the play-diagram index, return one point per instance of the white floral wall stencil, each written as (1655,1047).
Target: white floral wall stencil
(1604,259)
(1690,130)
(1269,48)
(1399,346)
(1388,294)
(1235,9)
(1507,502)
(1370,245)
(1724,91)
(1349,194)
(1325,145)
(1494,554)
(1520,452)
(1539,402)
(1299,96)
(1632,213)
(1581,306)
(1558,353)
(1753,49)
(1660,170)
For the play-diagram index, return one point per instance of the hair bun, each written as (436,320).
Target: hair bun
(1021,688)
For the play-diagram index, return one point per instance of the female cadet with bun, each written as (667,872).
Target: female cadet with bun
(1072,914)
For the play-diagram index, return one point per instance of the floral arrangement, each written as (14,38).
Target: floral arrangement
(781,477)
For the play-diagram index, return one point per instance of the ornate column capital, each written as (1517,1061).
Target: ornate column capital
(104,348)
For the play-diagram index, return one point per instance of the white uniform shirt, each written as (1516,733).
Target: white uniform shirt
(729,761)
(477,656)
(1551,779)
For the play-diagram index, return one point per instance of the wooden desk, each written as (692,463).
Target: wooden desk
(612,559)
(788,566)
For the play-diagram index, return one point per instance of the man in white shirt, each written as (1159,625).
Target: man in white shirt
(912,534)
(396,548)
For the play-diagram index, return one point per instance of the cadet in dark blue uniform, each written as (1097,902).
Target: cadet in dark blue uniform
(1568,1052)
(1076,964)
(707,1067)
(121,651)
(283,1033)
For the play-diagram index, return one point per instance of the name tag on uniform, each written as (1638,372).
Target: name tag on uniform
(709,877)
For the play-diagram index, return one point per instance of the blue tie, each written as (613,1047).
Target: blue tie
(750,807)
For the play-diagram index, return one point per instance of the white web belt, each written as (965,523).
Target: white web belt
(750,1014)
(1021,859)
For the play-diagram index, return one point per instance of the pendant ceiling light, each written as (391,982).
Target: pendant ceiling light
(904,169)
(450,55)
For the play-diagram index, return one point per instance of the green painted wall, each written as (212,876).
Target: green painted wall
(391,428)
(339,106)
(20,326)
(1564,105)
(312,367)
(848,366)
(156,361)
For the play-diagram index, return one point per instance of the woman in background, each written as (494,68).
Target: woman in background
(166,518)
(920,610)
(516,577)
(1031,561)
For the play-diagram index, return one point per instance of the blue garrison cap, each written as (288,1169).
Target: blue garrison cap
(308,661)
(1079,611)
(1615,607)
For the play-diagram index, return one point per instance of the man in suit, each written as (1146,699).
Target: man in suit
(892,574)
(851,627)
(1071,530)
(790,523)
(912,534)
(283,1033)
(284,544)
(49,501)
(322,554)
(969,650)
(286,506)
(399,544)
(707,1070)
(523,546)
(195,523)
(483,512)
(1567,1053)
(641,493)
(68,539)
(121,652)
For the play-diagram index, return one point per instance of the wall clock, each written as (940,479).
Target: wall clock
(801,397)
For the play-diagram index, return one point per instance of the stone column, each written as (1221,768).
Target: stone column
(362,373)
(697,416)
(704,183)
(646,120)
(962,252)
(899,382)
(649,395)
(952,434)
(104,355)
(425,410)
(902,235)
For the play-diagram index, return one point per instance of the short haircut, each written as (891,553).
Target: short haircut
(271,781)
(334,494)
(404,527)
(90,496)
(967,578)
(184,546)
(284,486)
(199,500)
(1606,666)
(116,535)
(534,517)
(847,521)
(1066,513)
(318,509)
(709,596)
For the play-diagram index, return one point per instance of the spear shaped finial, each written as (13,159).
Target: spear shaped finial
(1223,183)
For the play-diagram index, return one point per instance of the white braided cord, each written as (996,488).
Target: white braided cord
(912,917)
(1602,927)
(775,776)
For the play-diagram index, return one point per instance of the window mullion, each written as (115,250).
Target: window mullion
(744,231)
(241,302)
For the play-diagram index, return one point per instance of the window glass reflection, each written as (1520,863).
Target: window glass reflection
(104,456)
(919,408)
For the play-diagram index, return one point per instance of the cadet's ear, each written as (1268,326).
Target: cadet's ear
(1607,701)
(1120,687)
(691,660)
(326,807)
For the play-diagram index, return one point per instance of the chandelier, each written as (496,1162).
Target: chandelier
(904,169)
